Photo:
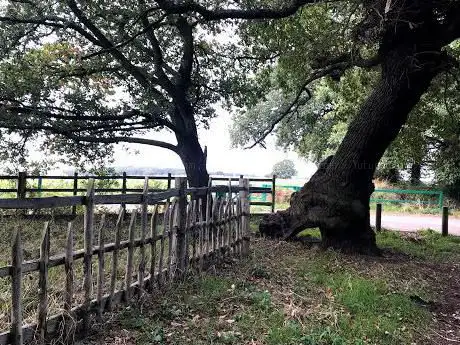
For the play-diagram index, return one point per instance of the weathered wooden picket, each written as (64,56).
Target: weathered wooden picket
(196,227)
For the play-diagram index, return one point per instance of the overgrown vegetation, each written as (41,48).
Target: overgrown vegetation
(31,233)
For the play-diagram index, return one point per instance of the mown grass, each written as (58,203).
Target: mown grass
(408,208)
(285,293)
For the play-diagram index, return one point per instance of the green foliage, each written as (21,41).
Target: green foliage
(315,42)
(304,41)
(284,169)
(317,128)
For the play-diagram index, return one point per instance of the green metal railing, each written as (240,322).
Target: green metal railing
(439,202)
(263,196)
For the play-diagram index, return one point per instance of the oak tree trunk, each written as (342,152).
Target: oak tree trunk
(336,199)
(415,173)
(188,146)
(194,161)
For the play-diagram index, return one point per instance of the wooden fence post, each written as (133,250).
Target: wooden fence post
(245,210)
(378,217)
(16,289)
(75,192)
(153,245)
(123,190)
(194,233)
(445,221)
(69,322)
(162,244)
(202,236)
(40,185)
(169,181)
(43,283)
(171,241)
(130,259)
(113,276)
(88,253)
(144,221)
(180,222)
(209,203)
(273,193)
(22,185)
(100,269)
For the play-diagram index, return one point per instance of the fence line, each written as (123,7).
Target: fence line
(197,229)
(21,190)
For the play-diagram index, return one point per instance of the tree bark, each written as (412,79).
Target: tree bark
(336,199)
(415,173)
(188,145)
(194,161)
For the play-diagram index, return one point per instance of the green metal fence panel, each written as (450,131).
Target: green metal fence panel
(439,202)
(435,193)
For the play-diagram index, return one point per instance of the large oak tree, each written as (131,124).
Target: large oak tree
(408,42)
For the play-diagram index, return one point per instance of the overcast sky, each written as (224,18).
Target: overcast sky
(221,157)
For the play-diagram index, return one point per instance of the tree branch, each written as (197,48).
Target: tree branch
(319,73)
(294,104)
(152,119)
(55,22)
(125,42)
(70,134)
(157,53)
(115,140)
(136,72)
(186,66)
(82,72)
(182,7)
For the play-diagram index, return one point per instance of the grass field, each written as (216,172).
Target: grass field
(59,183)
(287,293)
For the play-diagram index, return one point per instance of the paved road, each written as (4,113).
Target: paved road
(414,222)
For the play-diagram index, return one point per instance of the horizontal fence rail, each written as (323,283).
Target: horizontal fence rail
(195,227)
(33,185)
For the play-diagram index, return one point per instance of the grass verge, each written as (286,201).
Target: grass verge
(285,293)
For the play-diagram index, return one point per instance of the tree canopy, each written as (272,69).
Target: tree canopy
(315,125)
(84,75)
(284,169)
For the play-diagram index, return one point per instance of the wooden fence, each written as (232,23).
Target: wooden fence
(24,187)
(198,227)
